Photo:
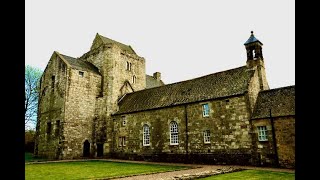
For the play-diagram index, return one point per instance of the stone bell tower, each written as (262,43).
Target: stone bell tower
(255,59)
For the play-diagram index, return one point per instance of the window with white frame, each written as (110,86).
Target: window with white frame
(146,135)
(262,133)
(174,133)
(205,110)
(206,136)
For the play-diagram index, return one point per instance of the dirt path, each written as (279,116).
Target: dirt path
(198,168)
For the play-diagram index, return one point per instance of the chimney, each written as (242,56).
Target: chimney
(157,76)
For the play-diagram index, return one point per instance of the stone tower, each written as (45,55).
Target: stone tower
(78,95)
(255,62)
(122,71)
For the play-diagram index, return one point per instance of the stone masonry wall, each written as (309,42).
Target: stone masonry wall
(112,64)
(228,123)
(285,137)
(253,90)
(80,110)
(51,108)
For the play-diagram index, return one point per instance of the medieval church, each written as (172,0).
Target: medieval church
(104,105)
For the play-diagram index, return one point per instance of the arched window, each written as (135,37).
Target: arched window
(134,79)
(174,133)
(146,135)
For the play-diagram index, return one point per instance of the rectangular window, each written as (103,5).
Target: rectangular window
(146,135)
(49,128)
(57,132)
(122,141)
(81,73)
(206,136)
(262,133)
(205,110)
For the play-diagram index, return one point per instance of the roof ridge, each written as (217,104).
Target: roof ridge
(166,85)
(114,41)
(278,88)
(68,56)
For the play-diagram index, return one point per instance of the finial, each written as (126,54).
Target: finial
(251,33)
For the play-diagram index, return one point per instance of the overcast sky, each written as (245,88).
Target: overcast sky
(181,39)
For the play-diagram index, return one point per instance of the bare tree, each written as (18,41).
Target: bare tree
(32,79)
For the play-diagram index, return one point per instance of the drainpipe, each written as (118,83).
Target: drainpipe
(187,136)
(274,140)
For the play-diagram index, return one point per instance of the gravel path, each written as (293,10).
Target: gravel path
(197,168)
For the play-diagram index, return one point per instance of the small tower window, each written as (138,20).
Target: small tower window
(134,79)
(81,73)
(57,132)
(53,79)
(124,121)
(129,65)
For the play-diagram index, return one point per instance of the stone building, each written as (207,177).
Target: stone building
(103,104)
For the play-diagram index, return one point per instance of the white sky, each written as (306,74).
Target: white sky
(181,39)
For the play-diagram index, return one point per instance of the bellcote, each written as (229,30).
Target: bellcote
(254,48)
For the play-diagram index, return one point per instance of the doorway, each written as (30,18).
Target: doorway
(99,150)
(86,149)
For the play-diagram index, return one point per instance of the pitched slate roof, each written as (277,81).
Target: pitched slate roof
(81,65)
(124,47)
(221,84)
(151,82)
(281,101)
(252,39)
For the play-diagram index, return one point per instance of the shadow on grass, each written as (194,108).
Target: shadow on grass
(29,157)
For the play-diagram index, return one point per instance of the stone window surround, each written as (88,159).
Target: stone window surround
(174,133)
(134,79)
(58,126)
(122,141)
(205,109)
(49,128)
(129,66)
(146,135)
(124,121)
(206,136)
(53,79)
(262,133)
(81,73)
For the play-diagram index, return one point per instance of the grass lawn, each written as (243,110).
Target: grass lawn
(90,169)
(253,175)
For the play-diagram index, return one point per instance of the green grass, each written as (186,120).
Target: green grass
(90,169)
(253,175)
